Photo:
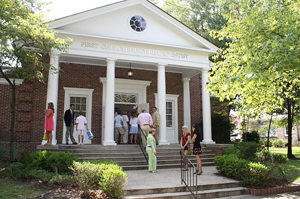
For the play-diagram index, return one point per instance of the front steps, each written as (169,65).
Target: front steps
(130,157)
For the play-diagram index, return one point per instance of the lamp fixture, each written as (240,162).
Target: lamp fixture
(130,73)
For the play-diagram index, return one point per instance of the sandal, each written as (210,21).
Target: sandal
(200,173)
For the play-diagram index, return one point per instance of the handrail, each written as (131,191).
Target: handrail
(140,143)
(187,176)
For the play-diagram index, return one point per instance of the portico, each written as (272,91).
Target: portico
(177,50)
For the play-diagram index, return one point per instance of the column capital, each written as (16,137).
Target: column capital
(205,70)
(111,59)
(161,64)
(186,79)
(55,54)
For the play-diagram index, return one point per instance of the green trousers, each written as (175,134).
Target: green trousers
(152,159)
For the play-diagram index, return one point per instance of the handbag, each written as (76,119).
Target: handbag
(45,137)
(90,135)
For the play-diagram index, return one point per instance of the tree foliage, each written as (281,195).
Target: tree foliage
(260,68)
(24,41)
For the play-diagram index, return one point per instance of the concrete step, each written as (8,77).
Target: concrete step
(161,166)
(211,193)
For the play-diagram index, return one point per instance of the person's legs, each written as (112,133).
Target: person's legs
(71,134)
(135,137)
(151,165)
(156,134)
(67,134)
(146,130)
(78,138)
(185,160)
(199,164)
(82,137)
(125,137)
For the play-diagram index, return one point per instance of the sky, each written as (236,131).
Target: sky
(61,8)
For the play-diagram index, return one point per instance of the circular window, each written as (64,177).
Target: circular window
(138,23)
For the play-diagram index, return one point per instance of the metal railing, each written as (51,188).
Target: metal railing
(188,177)
(140,142)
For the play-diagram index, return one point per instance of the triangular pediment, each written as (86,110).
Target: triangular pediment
(113,22)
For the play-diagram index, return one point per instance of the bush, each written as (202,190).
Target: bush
(23,156)
(264,142)
(251,137)
(63,180)
(263,156)
(101,161)
(278,159)
(41,175)
(113,182)
(56,162)
(248,172)
(17,170)
(231,150)
(248,150)
(279,143)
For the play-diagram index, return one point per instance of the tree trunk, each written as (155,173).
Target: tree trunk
(290,127)
(268,141)
(12,124)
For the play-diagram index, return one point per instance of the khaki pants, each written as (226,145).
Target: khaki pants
(156,133)
(146,129)
(69,133)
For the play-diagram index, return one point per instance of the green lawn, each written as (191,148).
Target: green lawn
(292,167)
(15,189)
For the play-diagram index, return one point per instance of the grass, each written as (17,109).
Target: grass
(15,189)
(292,167)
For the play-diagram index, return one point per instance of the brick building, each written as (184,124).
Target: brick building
(169,62)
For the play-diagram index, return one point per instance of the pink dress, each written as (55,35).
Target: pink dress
(49,124)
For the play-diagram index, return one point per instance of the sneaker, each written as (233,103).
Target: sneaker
(78,143)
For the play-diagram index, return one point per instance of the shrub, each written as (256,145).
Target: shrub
(279,143)
(257,175)
(101,161)
(263,156)
(278,159)
(251,137)
(231,150)
(264,142)
(86,174)
(57,162)
(113,182)
(41,174)
(248,150)
(17,170)
(23,156)
(63,180)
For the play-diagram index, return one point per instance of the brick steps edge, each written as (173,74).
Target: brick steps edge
(275,190)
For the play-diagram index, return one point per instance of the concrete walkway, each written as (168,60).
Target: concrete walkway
(141,179)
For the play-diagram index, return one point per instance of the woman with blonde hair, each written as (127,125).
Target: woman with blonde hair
(185,143)
(49,123)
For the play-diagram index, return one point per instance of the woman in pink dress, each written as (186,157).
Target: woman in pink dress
(49,123)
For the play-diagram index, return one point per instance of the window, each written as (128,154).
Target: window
(80,105)
(169,114)
(137,23)
(125,98)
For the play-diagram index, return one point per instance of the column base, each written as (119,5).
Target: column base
(109,143)
(207,142)
(163,142)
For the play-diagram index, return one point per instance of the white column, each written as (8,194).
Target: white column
(161,96)
(186,102)
(52,90)
(206,113)
(109,104)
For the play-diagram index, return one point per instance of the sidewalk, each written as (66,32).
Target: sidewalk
(141,179)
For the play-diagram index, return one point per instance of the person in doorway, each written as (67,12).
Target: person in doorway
(125,127)
(156,121)
(185,143)
(80,123)
(118,127)
(49,123)
(151,150)
(134,129)
(197,148)
(145,121)
(69,122)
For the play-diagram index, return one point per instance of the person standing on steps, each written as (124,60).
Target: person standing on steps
(125,127)
(151,150)
(118,127)
(134,129)
(197,148)
(156,122)
(69,122)
(49,123)
(145,121)
(185,144)
(80,123)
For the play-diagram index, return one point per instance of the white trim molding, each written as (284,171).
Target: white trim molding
(17,81)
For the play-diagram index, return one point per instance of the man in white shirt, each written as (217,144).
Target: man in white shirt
(145,121)
(118,127)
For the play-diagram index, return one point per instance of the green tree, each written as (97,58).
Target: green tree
(260,68)
(25,40)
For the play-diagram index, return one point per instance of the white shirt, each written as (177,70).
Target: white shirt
(80,121)
(133,121)
(118,120)
(125,120)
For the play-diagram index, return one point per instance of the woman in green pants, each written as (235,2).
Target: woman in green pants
(151,150)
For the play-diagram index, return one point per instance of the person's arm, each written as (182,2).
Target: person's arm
(87,128)
(76,126)
(188,141)
(47,113)
(194,137)
(181,143)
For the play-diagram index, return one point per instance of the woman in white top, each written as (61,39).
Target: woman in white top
(125,127)
(134,128)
